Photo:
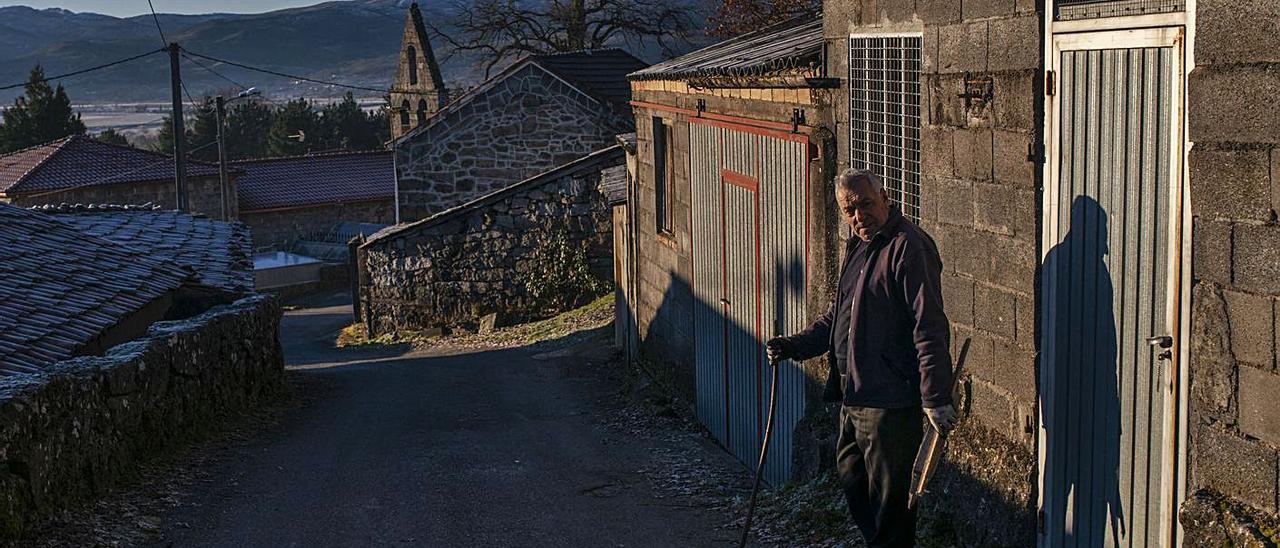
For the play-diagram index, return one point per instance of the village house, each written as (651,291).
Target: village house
(122,330)
(82,170)
(541,112)
(295,199)
(1096,177)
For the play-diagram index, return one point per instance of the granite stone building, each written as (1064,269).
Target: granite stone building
(1100,178)
(304,198)
(541,112)
(81,169)
(419,89)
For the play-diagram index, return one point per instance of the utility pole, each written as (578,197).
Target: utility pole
(220,105)
(179,133)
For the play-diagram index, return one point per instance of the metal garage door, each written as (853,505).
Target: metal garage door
(1108,371)
(749,240)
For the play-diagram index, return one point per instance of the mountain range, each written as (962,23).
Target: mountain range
(351,41)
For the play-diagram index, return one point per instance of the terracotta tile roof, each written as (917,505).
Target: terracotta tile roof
(79,161)
(62,288)
(316,179)
(217,251)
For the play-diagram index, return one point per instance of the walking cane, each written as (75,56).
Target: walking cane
(764,452)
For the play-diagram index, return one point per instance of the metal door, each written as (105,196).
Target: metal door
(749,198)
(1109,376)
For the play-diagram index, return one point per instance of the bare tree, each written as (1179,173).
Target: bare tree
(735,17)
(505,30)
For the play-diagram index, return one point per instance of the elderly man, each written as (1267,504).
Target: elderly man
(887,340)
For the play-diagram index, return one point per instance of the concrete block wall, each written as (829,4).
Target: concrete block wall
(525,124)
(1234,166)
(72,431)
(979,201)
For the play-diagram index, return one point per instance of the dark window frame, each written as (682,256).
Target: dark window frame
(663,176)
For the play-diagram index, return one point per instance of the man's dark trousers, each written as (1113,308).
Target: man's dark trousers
(874,456)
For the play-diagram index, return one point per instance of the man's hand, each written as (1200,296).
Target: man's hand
(779,348)
(942,418)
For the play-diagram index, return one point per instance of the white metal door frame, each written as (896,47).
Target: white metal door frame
(1177,311)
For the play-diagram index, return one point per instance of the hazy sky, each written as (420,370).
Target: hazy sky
(125,8)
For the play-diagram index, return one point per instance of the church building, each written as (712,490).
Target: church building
(419,90)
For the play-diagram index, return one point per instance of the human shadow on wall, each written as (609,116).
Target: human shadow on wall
(1079,383)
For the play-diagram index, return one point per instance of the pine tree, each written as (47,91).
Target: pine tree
(110,135)
(296,116)
(202,131)
(248,123)
(345,126)
(41,115)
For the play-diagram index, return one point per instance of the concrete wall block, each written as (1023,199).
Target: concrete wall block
(978,9)
(1252,328)
(1027,6)
(1025,321)
(937,150)
(1015,43)
(1211,256)
(1005,211)
(929,51)
(885,12)
(1235,467)
(1013,100)
(1234,104)
(1259,392)
(1210,329)
(954,201)
(964,251)
(1013,262)
(1230,183)
(957,297)
(994,310)
(948,107)
(1255,259)
(991,406)
(1017,371)
(973,148)
(1237,31)
(1275,179)
(1009,159)
(962,47)
(936,12)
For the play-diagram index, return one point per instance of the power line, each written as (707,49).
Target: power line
(90,69)
(284,75)
(107,179)
(156,18)
(214,72)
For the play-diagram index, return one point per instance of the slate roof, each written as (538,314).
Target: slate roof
(316,179)
(600,73)
(61,288)
(789,45)
(219,252)
(79,161)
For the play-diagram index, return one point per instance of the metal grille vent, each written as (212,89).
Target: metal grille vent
(1068,10)
(884,114)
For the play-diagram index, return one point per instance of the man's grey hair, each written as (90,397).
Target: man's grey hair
(850,178)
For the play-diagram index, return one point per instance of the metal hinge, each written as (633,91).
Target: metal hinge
(1050,83)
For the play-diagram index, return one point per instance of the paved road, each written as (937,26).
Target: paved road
(479,449)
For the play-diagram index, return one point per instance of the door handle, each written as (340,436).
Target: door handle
(724,302)
(1162,341)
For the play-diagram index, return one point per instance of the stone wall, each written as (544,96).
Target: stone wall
(70,432)
(277,229)
(979,201)
(526,123)
(1234,125)
(482,257)
(203,194)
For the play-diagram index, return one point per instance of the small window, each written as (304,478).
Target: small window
(404,114)
(884,114)
(411,56)
(1068,10)
(422,111)
(663,176)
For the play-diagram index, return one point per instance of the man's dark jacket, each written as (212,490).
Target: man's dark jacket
(899,341)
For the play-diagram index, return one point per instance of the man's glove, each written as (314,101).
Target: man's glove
(780,348)
(942,418)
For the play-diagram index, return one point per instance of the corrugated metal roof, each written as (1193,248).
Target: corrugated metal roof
(316,179)
(61,288)
(79,161)
(790,45)
(219,252)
